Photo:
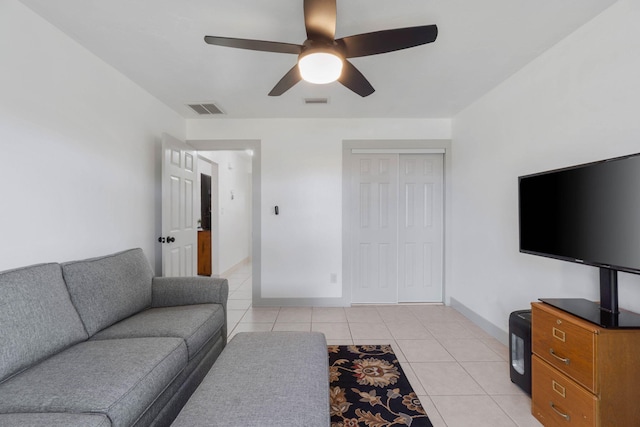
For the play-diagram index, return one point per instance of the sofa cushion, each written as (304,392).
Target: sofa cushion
(54,420)
(37,317)
(196,324)
(118,378)
(108,289)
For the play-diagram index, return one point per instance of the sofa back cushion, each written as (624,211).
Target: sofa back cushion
(108,289)
(37,318)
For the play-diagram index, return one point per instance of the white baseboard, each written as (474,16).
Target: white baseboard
(231,270)
(481,322)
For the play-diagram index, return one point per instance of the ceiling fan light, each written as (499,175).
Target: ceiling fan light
(320,67)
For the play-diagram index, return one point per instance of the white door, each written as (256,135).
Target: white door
(397,227)
(420,228)
(374,189)
(179,232)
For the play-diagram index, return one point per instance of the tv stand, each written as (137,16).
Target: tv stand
(592,312)
(606,314)
(609,290)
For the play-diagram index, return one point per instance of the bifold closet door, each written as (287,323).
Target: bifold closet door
(420,228)
(397,210)
(374,194)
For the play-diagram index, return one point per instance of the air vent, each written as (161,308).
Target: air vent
(316,101)
(207,109)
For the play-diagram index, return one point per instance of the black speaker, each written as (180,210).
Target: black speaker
(520,349)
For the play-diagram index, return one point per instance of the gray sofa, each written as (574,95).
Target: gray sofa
(101,342)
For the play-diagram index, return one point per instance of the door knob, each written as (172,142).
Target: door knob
(169,239)
(161,239)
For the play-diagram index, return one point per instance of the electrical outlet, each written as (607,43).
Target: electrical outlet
(334,278)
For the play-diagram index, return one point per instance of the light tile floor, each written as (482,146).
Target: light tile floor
(460,373)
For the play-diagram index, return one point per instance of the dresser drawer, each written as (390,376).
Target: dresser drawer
(564,343)
(559,401)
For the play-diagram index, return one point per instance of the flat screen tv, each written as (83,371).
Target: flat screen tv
(587,214)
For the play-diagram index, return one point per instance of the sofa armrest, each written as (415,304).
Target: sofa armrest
(172,291)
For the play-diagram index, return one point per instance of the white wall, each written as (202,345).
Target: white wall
(578,102)
(234,226)
(78,148)
(301,171)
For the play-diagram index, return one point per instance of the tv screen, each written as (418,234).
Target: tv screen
(588,214)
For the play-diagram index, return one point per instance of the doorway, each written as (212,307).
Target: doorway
(224,212)
(205,254)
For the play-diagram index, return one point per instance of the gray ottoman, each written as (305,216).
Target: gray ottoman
(264,379)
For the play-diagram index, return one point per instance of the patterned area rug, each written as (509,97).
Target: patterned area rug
(368,388)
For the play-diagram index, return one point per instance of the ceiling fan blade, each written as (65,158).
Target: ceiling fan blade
(354,80)
(387,40)
(287,82)
(264,46)
(320,19)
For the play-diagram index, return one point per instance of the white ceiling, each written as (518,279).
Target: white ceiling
(159,45)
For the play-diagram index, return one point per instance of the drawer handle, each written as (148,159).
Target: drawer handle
(565,360)
(563,415)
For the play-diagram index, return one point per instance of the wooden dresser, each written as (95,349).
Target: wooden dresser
(583,374)
(204,253)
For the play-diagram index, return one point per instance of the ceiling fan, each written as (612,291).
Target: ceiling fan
(322,58)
